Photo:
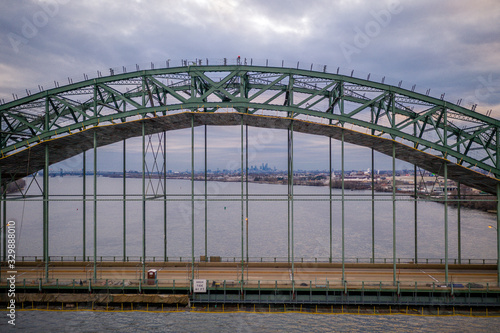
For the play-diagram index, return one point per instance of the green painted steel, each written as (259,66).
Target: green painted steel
(291,198)
(84,206)
(498,215)
(415,204)
(4,219)
(330,197)
(124,207)
(394,219)
(242,183)
(372,176)
(46,200)
(498,234)
(343,205)
(467,138)
(192,203)
(2,241)
(205,178)
(143,201)
(246,191)
(95,205)
(459,224)
(326,299)
(165,197)
(454,134)
(446,223)
(46,213)
(445,141)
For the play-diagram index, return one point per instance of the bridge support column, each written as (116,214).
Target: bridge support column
(415,202)
(165,196)
(1,224)
(206,188)
(3,232)
(415,210)
(192,202)
(288,193)
(446,222)
(445,142)
(45,197)
(124,207)
(498,234)
(341,105)
(2,251)
(394,213)
(330,196)
(291,204)
(459,224)
(290,197)
(4,224)
(84,207)
(372,115)
(343,204)
(45,213)
(246,190)
(95,205)
(143,132)
(373,205)
(242,154)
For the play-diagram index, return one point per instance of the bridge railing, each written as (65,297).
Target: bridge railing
(333,283)
(303,65)
(261,62)
(187,259)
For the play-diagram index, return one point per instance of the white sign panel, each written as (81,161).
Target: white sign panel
(200,286)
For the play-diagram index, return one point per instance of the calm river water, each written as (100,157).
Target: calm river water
(268,222)
(86,321)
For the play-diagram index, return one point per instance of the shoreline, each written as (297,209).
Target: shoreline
(486,204)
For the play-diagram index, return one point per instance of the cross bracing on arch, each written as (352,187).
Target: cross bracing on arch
(428,131)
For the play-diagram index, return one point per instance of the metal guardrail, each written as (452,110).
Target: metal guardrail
(188,259)
(322,284)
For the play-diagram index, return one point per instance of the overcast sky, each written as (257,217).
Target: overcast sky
(451,47)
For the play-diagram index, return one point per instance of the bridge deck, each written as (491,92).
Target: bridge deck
(268,274)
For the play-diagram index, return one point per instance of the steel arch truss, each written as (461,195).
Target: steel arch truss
(434,126)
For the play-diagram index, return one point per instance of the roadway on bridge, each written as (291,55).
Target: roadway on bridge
(304,276)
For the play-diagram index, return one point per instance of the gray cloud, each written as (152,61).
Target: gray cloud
(448,46)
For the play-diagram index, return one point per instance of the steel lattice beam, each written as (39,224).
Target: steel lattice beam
(463,137)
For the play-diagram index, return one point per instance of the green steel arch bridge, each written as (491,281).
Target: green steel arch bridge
(426,131)
(55,124)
